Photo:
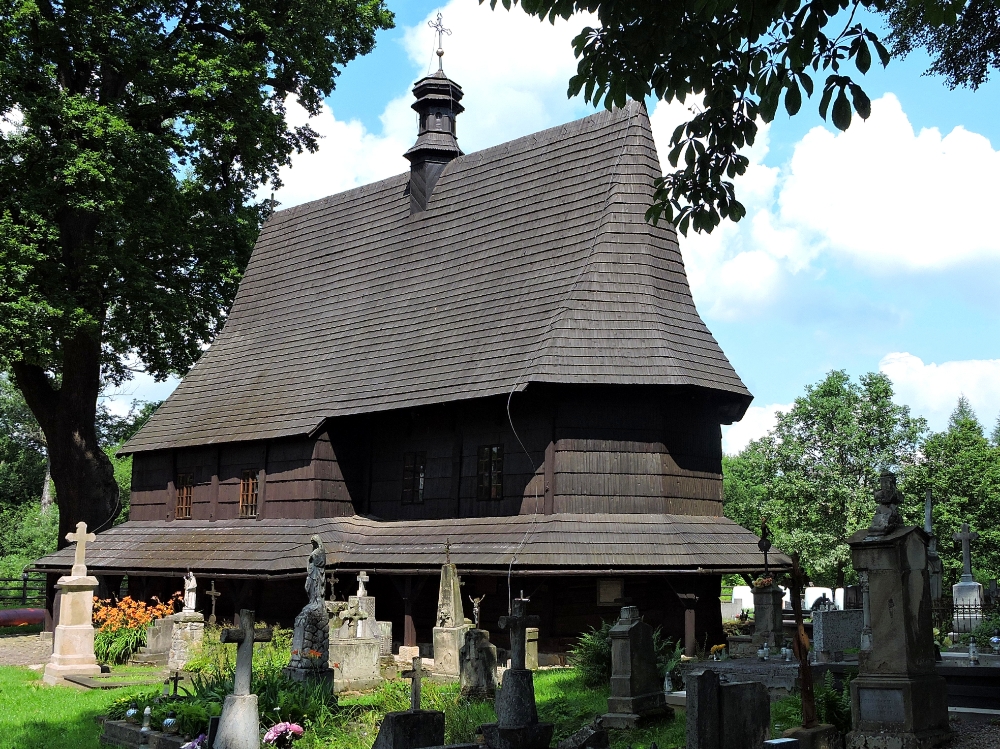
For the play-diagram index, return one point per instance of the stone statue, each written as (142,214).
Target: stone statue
(190,591)
(476,603)
(316,571)
(887,517)
(311,637)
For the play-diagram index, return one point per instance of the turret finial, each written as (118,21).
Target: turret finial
(438,26)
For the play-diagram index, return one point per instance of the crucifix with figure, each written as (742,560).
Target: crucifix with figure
(81,537)
(966,537)
(516,624)
(244,638)
(415,674)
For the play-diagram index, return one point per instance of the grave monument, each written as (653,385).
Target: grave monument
(188,632)
(73,641)
(934,565)
(311,638)
(735,715)
(967,594)
(636,684)
(355,640)
(836,632)
(767,601)
(517,725)
(413,728)
(239,724)
(898,701)
(451,624)
(478,665)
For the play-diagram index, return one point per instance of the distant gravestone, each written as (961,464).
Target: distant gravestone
(967,594)
(636,685)
(450,624)
(726,716)
(413,728)
(478,665)
(836,632)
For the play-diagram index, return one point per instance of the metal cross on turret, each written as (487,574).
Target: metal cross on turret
(966,537)
(438,25)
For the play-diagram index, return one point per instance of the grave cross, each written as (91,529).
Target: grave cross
(516,624)
(415,675)
(244,638)
(80,558)
(966,537)
(362,579)
(213,594)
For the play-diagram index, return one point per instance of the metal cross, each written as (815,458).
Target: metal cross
(414,675)
(447,551)
(176,678)
(362,579)
(438,26)
(81,537)
(966,537)
(213,594)
(244,638)
(764,544)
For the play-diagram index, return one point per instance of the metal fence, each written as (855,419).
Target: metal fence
(26,590)
(962,618)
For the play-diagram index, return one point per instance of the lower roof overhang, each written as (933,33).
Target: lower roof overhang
(561,544)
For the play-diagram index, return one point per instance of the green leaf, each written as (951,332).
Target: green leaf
(793,99)
(824,102)
(842,111)
(864,57)
(862,103)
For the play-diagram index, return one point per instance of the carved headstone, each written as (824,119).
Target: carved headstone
(636,684)
(726,716)
(355,640)
(478,665)
(311,637)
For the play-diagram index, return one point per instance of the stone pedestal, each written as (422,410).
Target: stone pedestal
(531,648)
(239,724)
(636,685)
(898,700)
(73,641)
(478,665)
(412,729)
(355,663)
(408,652)
(186,638)
(311,645)
(448,642)
(767,608)
(967,597)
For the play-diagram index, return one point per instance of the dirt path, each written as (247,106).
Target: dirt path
(23,650)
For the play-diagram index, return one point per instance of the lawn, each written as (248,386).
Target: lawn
(41,717)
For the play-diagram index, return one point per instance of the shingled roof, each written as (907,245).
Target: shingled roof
(532,263)
(552,544)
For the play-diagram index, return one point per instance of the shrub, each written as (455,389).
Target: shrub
(833,705)
(122,625)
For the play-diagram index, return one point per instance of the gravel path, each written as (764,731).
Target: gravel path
(23,650)
(975,733)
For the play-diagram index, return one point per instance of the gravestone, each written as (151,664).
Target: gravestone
(967,594)
(836,632)
(311,637)
(478,665)
(636,684)
(73,641)
(531,648)
(156,651)
(897,700)
(735,715)
(239,724)
(450,623)
(413,728)
(517,725)
(355,640)
(767,617)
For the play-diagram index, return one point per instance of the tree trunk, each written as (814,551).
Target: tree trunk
(83,475)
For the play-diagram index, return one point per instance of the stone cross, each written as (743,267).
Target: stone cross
(80,558)
(516,624)
(213,594)
(966,537)
(244,638)
(362,579)
(415,675)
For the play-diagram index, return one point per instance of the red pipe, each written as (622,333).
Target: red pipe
(18,617)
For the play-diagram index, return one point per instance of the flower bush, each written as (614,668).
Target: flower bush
(121,625)
(763,582)
(283,734)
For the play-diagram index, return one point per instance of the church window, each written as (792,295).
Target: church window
(185,486)
(248,494)
(490,472)
(413,478)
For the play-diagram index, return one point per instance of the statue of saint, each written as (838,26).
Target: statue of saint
(888,498)
(316,571)
(190,591)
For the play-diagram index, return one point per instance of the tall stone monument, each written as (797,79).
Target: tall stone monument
(188,632)
(451,626)
(73,641)
(898,701)
(636,684)
(934,565)
(311,637)
(967,594)
(517,725)
(239,724)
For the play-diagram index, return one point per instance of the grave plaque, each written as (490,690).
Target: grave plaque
(882,705)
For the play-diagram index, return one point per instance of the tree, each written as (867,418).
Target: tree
(741,58)
(143,134)
(813,476)
(22,450)
(962,469)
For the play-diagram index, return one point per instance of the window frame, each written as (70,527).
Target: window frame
(249,493)
(489,473)
(414,480)
(184,491)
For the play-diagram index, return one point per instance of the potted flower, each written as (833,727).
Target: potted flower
(282,735)
(718,652)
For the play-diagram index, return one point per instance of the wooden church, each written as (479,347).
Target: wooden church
(494,352)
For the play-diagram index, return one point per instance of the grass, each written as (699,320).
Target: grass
(21,629)
(43,717)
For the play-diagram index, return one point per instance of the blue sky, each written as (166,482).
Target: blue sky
(866,250)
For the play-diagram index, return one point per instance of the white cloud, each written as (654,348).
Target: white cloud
(758,421)
(512,68)
(932,390)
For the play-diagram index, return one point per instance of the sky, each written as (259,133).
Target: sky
(869,250)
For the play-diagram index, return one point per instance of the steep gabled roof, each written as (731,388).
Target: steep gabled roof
(532,263)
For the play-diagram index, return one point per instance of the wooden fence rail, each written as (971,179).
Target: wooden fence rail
(23,590)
